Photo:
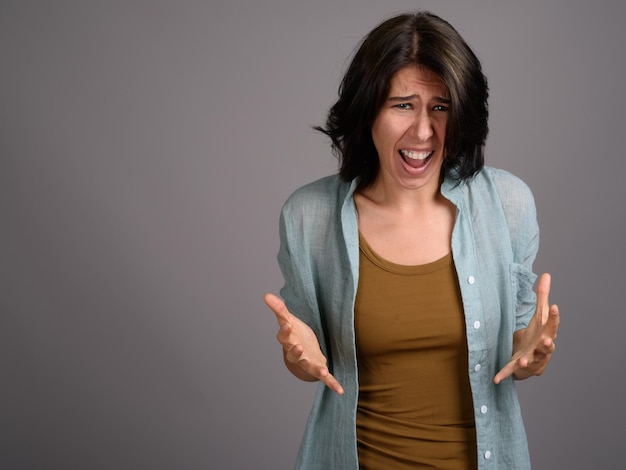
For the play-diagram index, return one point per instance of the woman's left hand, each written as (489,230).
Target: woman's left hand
(534,345)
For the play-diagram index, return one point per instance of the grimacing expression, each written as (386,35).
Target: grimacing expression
(409,131)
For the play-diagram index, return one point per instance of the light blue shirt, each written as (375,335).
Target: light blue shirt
(494,243)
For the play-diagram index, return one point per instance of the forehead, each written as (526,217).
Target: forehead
(413,77)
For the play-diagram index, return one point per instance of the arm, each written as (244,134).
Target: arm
(303,230)
(533,346)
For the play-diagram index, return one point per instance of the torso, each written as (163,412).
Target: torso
(414,234)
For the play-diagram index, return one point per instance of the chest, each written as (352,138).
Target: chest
(407,310)
(413,239)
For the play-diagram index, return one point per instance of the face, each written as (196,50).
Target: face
(410,129)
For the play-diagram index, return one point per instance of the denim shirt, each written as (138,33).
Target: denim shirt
(494,243)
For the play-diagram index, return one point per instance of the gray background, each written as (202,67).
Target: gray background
(145,151)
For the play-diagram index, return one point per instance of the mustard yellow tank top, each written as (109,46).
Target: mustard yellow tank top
(415,404)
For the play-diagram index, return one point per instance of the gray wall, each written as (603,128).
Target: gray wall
(145,151)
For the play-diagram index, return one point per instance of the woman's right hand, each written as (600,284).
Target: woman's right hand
(301,349)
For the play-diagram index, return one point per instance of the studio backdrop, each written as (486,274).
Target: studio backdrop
(146,148)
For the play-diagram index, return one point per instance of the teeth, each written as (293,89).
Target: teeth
(413,155)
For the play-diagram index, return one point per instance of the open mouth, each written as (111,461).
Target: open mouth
(416,159)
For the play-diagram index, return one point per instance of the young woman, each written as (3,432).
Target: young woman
(408,276)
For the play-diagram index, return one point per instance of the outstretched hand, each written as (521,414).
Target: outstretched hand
(301,348)
(533,346)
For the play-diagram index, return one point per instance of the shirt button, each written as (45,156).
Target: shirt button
(476,324)
(487,455)
(477,368)
(483,409)
(471,280)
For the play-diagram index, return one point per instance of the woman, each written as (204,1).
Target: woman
(408,276)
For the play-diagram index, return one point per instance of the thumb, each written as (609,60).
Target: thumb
(277,305)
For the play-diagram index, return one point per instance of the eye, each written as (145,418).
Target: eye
(404,106)
(440,107)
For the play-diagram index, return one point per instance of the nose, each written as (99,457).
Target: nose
(422,127)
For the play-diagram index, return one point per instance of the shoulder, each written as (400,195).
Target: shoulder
(507,184)
(513,193)
(311,219)
(516,204)
(321,196)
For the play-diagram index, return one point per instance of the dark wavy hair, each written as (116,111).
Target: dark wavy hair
(421,39)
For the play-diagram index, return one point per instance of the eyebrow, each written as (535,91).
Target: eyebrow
(439,99)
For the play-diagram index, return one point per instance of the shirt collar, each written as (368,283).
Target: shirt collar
(451,189)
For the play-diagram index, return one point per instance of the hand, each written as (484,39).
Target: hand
(533,346)
(301,348)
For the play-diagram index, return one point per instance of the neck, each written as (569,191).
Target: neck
(401,198)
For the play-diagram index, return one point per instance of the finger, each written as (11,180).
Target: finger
(277,305)
(505,372)
(539,363)
(547,346)
(514,365)
(543,293)
(283,335)
(332,383)
(523,361)
(319,371)
(294,353)
(552,325)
